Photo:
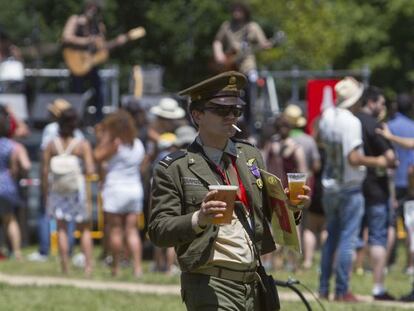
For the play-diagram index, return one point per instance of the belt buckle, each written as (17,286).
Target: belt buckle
(245,277)
(248,277)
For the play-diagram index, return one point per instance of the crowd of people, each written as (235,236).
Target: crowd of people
(358,157)
(129,142)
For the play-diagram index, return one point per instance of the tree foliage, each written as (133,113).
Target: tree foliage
(320,34)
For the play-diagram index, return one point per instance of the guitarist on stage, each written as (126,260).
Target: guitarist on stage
(87,32)
(232,48)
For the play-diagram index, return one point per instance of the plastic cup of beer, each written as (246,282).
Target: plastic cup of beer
(296,181)
(225,193)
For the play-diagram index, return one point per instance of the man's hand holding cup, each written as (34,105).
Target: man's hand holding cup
(218,205)
(298,192)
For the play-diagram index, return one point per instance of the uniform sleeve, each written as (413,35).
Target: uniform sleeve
(167,226)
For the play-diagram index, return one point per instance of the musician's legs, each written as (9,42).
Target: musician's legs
(98,96)
(80,84)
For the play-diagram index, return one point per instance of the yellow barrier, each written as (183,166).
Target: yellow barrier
(54,242)
(401,233)
(98,233)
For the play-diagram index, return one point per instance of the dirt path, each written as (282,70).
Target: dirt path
(153,288)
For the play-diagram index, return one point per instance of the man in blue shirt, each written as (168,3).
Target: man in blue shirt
(403,126)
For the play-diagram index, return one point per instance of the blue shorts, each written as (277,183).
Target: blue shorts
(378,221)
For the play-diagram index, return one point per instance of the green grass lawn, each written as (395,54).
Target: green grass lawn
(63,298)
(58,298)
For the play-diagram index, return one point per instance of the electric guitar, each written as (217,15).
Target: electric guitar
(81,61)
(235,58)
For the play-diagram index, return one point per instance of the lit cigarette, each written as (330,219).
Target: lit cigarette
(236,128)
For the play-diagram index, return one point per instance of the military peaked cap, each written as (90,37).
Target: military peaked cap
(223,89)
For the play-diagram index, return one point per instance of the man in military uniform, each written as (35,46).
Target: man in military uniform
(218,262)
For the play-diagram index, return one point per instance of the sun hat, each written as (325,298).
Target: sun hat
(168,108)
(185,135)
(294,115)
(58,106)
(348,91)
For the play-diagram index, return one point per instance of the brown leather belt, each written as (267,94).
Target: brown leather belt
(247,276)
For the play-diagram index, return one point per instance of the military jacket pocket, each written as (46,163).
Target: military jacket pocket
(193,198)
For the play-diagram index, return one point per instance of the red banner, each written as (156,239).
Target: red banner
(320,95)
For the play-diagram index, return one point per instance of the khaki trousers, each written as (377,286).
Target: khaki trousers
(202,292)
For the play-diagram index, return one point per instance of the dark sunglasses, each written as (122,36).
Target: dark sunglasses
(225,111)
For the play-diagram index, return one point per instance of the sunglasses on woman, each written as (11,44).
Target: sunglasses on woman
(224,111)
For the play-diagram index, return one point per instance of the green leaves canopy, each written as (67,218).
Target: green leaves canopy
(320,34)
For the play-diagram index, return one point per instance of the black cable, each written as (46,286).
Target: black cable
(314,296)
(289,284)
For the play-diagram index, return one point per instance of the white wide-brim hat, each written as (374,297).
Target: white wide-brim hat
(348,92)
(168,108)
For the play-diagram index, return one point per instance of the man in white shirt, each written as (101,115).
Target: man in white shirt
(342,179)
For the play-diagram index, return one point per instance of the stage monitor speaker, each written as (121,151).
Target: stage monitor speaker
(17,104)
(40,113)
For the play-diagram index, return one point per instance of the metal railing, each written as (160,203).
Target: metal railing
(109,77)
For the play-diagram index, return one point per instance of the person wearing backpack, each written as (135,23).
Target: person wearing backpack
(65,158)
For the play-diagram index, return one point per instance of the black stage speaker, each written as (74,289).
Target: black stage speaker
(39,112)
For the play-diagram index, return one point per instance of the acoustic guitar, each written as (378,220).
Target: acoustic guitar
(235,58)
(81,61)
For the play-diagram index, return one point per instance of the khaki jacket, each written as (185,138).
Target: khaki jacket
(180,183)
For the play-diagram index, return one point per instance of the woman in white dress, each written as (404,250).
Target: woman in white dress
(122,192)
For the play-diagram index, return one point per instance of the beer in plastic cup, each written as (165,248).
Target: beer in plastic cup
(296,181)
(226,193)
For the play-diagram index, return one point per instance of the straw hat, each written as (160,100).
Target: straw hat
(168,108)
(348,92)
(294,116)
(58,106)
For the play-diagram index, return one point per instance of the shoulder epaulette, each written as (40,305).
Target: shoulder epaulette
(243,141)
(167,160)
